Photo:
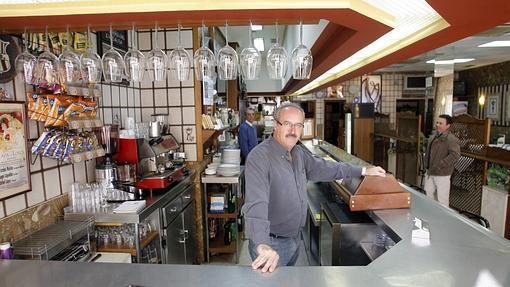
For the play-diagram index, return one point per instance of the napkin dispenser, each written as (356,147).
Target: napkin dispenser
(373,192)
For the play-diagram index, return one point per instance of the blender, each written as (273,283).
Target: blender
(106,169)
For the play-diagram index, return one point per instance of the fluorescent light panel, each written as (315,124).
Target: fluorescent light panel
(410,16)
(495,44)
(449,62)
(259,44)
(256,27)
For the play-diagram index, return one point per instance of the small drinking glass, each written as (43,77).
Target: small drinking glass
(134,62)
(277,60)
(70,66)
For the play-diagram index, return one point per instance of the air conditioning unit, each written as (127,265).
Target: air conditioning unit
(415,82)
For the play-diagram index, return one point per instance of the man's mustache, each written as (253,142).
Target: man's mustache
(291,135)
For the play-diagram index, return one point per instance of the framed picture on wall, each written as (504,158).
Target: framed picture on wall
(14,160)
(493,107)
(371,90)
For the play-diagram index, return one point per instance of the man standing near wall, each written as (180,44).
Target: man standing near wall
(442,152)
(247,134)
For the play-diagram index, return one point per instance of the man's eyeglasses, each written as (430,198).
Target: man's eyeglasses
(289,124)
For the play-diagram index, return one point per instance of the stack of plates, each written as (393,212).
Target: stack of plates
(231,156)
(228,169)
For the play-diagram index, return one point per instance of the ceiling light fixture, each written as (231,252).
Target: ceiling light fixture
(413,21)
(495,44)
(256,27)
(449,62)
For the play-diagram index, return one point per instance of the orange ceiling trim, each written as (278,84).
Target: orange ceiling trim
(466,18)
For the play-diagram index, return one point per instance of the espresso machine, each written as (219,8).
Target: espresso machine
(106,169)
(157,160)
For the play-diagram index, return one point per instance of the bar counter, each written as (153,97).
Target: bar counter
(460,253)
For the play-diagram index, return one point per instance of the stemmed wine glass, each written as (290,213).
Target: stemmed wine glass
(250,60)
(113,63)
(227,60)
(135,62)
(277,59)
(91,65)
(69,67)
(46,67)
(25,62)
(179,60)
(156,61)
(302,59)
(204,60)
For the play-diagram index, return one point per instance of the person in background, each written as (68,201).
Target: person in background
(247,134)
(276,175)
(443,151)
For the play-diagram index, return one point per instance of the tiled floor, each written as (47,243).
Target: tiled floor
(245,260)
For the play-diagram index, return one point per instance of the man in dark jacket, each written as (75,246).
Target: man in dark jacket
(442,152)
(247,134)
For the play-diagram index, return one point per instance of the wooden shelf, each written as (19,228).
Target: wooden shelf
(125,249)
(211,134)
(217,244)
(221,215)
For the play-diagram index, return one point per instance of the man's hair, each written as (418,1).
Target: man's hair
(448,118)
(276,114)
(249,110)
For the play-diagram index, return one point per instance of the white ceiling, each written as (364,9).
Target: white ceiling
(465,48)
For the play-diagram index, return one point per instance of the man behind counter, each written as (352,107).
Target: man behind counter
(247,134)
(276,175)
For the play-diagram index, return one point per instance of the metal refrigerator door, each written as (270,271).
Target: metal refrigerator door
(189,231)
(174,235)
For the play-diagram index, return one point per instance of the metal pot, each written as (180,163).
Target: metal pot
(155,129)
(126,172)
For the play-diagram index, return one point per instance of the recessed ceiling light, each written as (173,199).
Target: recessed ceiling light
(495,44)
(256,27)
(259,44)
(449,62)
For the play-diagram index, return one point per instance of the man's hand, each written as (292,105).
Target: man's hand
(375,171)
(267,259)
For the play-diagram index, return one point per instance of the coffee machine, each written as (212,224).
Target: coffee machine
(156,158)
(106,169)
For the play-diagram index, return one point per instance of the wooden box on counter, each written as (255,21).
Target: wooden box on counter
(372,192)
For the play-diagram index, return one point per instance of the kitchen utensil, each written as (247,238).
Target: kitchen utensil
(155,128)
(126,172)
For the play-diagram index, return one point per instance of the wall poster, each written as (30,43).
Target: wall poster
(371,90)
(493,107)
(14,162)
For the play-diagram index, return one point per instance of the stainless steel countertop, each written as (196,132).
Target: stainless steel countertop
(152,204)
(461,253)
